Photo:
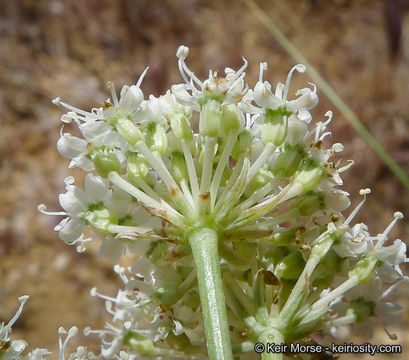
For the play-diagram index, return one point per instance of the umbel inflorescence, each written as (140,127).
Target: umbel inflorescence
(231,202)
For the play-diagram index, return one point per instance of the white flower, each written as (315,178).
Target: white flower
(354,242)
(227,90)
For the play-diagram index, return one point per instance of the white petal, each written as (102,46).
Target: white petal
(388,312)
(71,231)
(118,201)
(131,98)
(83,163)
(264,97)
(306,101)
(393,254)
(96,188)
(73,201)
(93,129)
(71,146)
(143,267)
(112,248)
(182,96)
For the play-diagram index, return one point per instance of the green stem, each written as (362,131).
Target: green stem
(204,244)
(268,337)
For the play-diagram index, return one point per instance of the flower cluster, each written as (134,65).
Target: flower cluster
(230,199)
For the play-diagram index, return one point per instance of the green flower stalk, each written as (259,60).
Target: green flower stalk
(231,200)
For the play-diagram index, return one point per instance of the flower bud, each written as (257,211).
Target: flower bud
(361,308)
(180,124)
(263,177)
(99,217)
(230,118)
(169,293)
(127,129)
(178,342)
(330,264)
(131,98)
(179,167)
(365,268)
(105,160)
(192,299)
(286,238)
(138,343)
(210,118)
(309,175)
(156,138)
(137,166)
(71,146)
(290,267)
(274,129)
(243,142)
(297,130)
(309,203)
(157,250)
(289,160)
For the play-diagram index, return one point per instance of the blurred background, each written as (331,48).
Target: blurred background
(71,49)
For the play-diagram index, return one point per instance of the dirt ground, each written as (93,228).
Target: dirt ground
(71,49)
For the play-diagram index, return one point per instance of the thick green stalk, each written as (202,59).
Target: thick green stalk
(270,336)
(204,244)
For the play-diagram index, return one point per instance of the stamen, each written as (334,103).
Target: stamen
(42,209)
(384,236)
(71,333)
(263,67)
(113,92)
(184,69)
(139,83)
(324,135)
(108,307)
(337,147)
(94,292)
(182,52)
(7,328)
(315,91)
(346,167)
(57,101)
(69,180)
(392,287)
(390,335)
(300,68)
(328,114)
(239,75)
(121,272)
(362,192)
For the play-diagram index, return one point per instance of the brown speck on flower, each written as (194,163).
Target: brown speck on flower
(334,218)
(271,279)
(205,196)
(174,191)
(106,104)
